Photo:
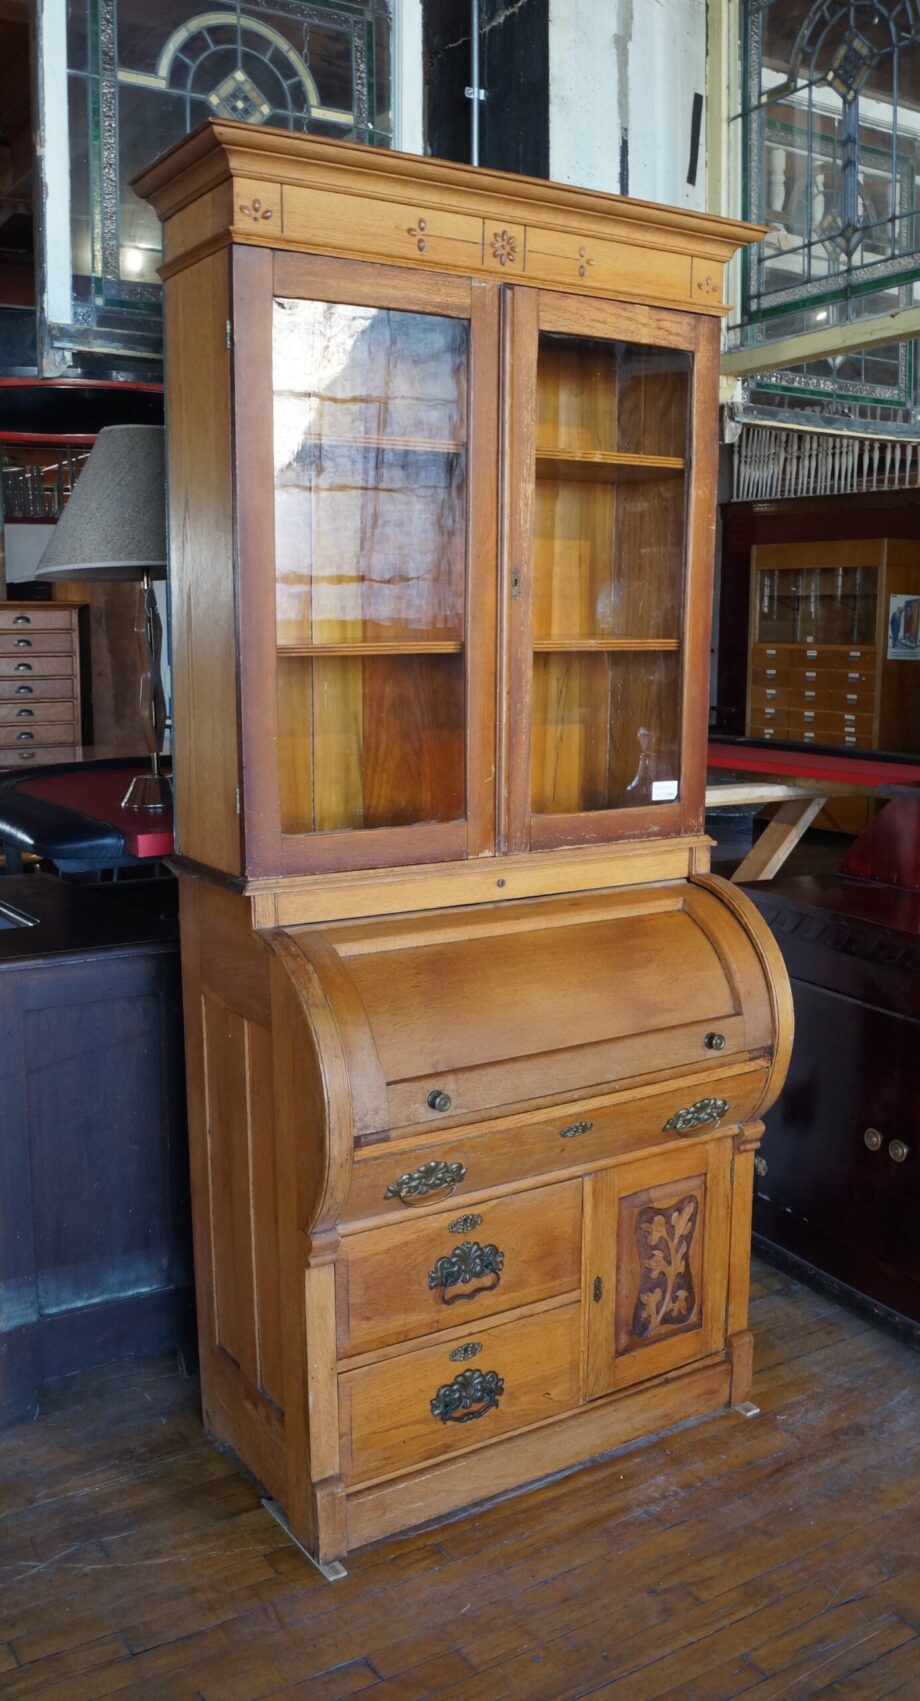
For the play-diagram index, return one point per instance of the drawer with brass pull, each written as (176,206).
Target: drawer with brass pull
(11,756)
(22,711)
(40,617)
(28,662)
(16,690)
(408,1280)
(387,1182)
(424,1404)
(36,643)
(34,731)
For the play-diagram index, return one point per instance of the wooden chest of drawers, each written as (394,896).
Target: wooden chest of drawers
(40,706)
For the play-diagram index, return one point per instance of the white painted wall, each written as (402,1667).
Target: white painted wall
(633,66)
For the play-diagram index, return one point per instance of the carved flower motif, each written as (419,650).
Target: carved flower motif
(504,247)
(254,210)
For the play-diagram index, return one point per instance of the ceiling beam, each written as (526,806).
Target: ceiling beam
(820,345)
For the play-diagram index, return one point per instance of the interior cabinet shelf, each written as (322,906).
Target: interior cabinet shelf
(602,466)
(396,647)
(397,445)
(562,644)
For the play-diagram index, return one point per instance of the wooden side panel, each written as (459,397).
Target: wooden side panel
(206,734)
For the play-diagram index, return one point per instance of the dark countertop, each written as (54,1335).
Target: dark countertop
(71,917)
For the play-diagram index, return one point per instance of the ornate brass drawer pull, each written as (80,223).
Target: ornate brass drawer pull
(469,1396)
(419,1184)
(468,1262)
(466,1349)
(574,1129)
(696,1115)
(465,1225)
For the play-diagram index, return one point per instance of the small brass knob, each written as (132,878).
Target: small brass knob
(438,1100)
(873,1139)
(897,1151)
(714,1042)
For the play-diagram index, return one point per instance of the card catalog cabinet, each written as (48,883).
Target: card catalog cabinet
(835,629)
(40,708)
(477,1047)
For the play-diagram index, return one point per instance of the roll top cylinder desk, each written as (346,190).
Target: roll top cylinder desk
(477,1046)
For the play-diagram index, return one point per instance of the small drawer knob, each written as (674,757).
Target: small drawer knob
(873,1139)
(438,1100)
(897,1151)
(714,1042)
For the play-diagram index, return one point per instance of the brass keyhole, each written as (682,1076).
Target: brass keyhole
(597,1289)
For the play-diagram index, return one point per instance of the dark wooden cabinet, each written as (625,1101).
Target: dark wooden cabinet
(841,1184)
(477,1046)
(95,1245)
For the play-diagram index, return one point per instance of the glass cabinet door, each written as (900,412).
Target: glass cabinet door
(605,585)
(372,494)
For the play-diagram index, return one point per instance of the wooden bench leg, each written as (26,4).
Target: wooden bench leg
(778,838)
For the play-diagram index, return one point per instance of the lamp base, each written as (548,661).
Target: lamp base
(148,791)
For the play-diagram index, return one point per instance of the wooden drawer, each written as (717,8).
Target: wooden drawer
(770,678)
(827,724)
(823,700)
(571,1137)
(24,644)
(819,678)
(36,754)
(17,690)
(59,666)
(446,1270)
(35,713)
(531,1370)
(771,655)
(774,728)
(42,617)
(769,696)
(832,655)
(16,737)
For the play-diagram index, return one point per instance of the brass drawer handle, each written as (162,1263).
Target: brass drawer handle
(873,1139)
(24,691)
(468,1262)
(469,1396)
(696,1115)
(26,755)
(25,714)
(574,1129)
(897,1151)
(23,667)
(22,619)
(22,643)
(24,737)
(438,1100)
(466,1349)
(419,1184)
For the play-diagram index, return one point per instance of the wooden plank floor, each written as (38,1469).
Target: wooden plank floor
(778,1557)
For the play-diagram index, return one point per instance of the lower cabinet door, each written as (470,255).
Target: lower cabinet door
(656,1264)
(417,1407)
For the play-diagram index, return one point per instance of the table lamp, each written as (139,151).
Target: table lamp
(114,528)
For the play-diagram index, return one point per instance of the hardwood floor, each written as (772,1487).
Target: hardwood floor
(773,1558)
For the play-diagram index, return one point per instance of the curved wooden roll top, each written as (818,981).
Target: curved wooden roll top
(449,1017)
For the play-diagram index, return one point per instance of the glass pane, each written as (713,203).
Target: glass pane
(818,605)
(608,573)
(370,551)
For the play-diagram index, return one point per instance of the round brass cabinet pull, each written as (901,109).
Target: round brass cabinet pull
(897,1151)
(471,1395)
(421,1184)
(873,1139)
(438,1100)
(714,1042)
(467,1263)
(696,1115)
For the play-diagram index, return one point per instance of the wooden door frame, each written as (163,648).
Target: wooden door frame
(258,275)
(527,312)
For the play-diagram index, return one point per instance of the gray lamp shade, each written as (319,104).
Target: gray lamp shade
(114,524)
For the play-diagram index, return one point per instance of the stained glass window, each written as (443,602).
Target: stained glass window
(141,75)
(831,121)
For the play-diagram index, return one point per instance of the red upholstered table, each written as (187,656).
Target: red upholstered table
(98,792)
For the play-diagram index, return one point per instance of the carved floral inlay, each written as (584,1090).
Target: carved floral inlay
(664,1239)
(707,285)
(504,247)
(419,232)
(254,210)
(585,261)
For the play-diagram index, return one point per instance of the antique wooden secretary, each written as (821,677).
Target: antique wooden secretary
(477,1048)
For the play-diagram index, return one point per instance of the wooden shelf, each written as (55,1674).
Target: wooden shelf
(600,466)
(560,644)
(385,647)
(400,445)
